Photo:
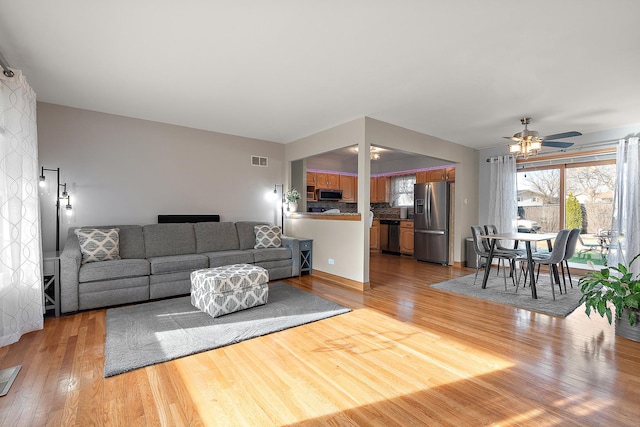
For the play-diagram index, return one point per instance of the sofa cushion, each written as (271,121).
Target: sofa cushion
(267,236)
(218,259)
(216,236)
(247,234)
(131,240)
(270,265)
(169,239)
(111,292)
(113,269)
(158,279)
(173,263)
(98,244)
(270,254)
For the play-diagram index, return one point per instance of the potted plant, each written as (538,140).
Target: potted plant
(292,197)
(614,288)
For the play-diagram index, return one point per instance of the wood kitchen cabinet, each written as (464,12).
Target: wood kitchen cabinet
(327,181)
(349,187)
(372,189)
(311,193)
(311,186)
(451,174)
(441,175)
(374,235)
(379,189)
(311,178)
(421,177)
(406,237)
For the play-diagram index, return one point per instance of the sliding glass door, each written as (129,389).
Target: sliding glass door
(569,195)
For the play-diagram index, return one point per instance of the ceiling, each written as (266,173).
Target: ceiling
(462,70)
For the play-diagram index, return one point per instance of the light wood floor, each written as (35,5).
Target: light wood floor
(406,355)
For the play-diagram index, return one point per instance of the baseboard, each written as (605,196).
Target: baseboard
(341,281)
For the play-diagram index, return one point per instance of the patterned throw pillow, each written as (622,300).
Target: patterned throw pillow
(99,244)
(267,236)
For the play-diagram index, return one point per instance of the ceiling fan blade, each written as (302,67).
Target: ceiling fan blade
(512,138)
(561,135)
(557,144)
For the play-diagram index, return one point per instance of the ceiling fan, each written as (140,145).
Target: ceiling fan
(528,143)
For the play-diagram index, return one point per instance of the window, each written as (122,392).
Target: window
(589,186)
(402,190)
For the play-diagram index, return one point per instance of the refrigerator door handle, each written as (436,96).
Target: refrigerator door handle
(439,232)
(428,197)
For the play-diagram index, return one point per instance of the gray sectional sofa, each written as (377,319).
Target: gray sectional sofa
(157,260)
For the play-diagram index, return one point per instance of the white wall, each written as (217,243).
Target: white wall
(410,163)
(121,170)
(340,241)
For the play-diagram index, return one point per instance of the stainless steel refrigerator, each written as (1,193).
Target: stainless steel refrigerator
(431,222)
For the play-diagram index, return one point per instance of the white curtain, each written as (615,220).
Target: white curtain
(626,206)
(503,197)
(21,298)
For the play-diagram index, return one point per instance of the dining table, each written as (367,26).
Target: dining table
(527,238)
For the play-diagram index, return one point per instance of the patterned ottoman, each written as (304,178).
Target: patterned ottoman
(223,290)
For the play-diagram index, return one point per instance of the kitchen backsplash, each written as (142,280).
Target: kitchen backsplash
(384,211)
(380,210)
(343,206)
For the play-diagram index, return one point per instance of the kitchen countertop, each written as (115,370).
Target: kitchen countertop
(342,216)
(345,216)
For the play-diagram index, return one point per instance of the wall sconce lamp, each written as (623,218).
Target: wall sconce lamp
(59,196)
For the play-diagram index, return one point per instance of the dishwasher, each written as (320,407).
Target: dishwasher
(390,236)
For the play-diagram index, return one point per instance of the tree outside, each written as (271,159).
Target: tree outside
(573,216)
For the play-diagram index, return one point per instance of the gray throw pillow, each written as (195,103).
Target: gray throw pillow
(99,244)
(267,236)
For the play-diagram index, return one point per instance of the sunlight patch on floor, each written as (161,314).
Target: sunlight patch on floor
(339,364)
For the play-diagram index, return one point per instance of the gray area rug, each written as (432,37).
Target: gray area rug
(561,307)
(154,332)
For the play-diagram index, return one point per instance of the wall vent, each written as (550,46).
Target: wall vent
(259,161)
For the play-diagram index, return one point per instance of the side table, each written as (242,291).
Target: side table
(51,276)
(306,255)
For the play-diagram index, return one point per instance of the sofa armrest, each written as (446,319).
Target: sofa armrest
(70,261)
(293,244)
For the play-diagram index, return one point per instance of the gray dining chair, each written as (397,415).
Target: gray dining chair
(492,229)
(482,249)
(572,242)
(555,257)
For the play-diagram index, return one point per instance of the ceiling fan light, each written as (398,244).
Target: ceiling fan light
(515,148)
(536,145)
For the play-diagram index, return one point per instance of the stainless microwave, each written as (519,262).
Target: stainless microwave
(335,195)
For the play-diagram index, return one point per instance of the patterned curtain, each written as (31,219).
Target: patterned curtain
(503,196)
(626,215)
(21,298)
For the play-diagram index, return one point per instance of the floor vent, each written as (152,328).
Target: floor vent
(259,161)
(6,378)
